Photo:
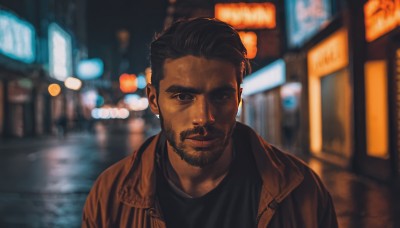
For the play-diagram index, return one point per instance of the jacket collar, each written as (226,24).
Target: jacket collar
(278,173)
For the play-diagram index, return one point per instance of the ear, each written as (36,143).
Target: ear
(240,95)
(152,97)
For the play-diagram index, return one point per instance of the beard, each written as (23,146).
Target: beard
(200,157)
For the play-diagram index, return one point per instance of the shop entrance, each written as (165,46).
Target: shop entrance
(336,114)
(382,105)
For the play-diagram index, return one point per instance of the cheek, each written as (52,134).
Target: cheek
(172,116)
(226,114)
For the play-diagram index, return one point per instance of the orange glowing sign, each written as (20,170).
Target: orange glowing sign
(249,40)
(128,83)
(381,16)
(329,56)
(247,15)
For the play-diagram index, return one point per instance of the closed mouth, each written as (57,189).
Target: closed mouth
(202,138)
(202,141)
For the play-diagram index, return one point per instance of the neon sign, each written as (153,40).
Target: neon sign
(381,16)
(247,15)
(305,18)
(329,56)
(266,78)
(90,68)
(249,40)
(17,38)
(60,56)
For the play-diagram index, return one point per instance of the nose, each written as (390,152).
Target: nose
(203,113)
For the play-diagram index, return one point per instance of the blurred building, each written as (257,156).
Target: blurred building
(28,65)
(337,98)
(325,78)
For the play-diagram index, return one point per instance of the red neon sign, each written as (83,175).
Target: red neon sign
(247,15)
(249,40)
(381,16)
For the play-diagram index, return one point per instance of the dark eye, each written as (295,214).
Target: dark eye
(184,97)
(220,97)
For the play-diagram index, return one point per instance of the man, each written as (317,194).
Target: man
(204,169)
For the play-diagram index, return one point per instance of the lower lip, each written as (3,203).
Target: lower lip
(201,143)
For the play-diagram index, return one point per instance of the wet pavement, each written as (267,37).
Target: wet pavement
(45,180)
(359,201)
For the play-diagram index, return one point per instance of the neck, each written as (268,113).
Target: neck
(197,181)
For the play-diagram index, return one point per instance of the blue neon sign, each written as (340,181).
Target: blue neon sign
(17,38)
(90,68)
(305,18)
(60,53)
(266,78)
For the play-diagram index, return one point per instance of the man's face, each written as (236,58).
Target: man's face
(197,103)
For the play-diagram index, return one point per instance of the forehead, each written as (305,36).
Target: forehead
(198,72)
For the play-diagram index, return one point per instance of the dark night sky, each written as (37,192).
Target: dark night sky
(143,18)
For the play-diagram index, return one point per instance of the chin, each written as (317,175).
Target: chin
(199,157)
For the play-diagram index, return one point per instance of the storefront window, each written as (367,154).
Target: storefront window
(330,95)
(336,113)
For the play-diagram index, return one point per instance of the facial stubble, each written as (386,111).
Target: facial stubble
(208,156)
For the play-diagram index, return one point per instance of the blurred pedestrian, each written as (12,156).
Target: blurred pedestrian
(61,124)
(204,169)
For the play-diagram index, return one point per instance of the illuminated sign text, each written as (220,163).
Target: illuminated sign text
(249,40)
(305,18)
(328,56)
(381,16)
(266,78)
(60,56)
(247,15)
(17,38)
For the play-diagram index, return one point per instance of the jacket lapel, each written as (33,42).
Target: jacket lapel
(139,186)
(279,174)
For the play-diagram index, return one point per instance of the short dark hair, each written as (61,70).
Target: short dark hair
(201,37)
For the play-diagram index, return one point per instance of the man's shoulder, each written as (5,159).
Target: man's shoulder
(116,173)
(297,162)
(104,191)
(312,183)
(116,170)
(113,176)
(111,179)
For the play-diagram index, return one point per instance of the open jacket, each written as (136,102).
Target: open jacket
(292,195)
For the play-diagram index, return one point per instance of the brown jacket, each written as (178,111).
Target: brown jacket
(292,195)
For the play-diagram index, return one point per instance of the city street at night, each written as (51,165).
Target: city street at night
(45,180)
(83,83)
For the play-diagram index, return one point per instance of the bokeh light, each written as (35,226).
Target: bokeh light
(54,89)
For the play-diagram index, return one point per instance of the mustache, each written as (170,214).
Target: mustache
(201,130)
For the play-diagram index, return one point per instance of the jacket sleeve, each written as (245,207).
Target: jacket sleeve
(91,209)
(326,210)
(328,216)
(87,216)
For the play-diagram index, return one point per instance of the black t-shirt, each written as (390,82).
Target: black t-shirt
(233,203)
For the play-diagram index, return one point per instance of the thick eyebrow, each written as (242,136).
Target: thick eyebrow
(183,89)
(225,88)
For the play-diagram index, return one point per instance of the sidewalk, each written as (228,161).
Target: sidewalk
(359,201)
